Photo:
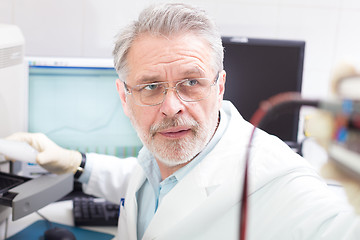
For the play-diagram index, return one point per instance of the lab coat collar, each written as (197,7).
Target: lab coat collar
(190,195)
(215,181)
(178,203)
(195,190)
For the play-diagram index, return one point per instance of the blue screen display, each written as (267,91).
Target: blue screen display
(79,108)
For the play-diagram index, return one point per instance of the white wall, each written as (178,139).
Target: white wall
(86,28)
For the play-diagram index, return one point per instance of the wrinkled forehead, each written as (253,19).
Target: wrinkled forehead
(179,73)
(180,56)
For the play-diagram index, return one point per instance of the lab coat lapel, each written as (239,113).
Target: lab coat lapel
(195,197)
(178,203)
(221,201)
(128,218)
(207,184)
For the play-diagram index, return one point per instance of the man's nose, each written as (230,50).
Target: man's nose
(172,104)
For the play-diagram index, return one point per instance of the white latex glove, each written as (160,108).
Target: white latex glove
(52,157)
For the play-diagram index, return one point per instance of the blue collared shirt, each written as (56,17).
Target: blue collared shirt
(153,190)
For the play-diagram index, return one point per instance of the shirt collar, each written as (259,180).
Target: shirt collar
(150,167)
(181,173)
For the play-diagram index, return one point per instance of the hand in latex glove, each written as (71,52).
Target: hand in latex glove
(52,157)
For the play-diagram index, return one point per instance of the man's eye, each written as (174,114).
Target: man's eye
(191,82)
(150,87)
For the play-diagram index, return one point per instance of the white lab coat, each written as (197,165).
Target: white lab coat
(287,199)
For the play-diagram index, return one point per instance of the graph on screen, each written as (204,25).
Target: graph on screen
(79,108)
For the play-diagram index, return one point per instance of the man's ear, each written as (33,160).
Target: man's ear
(222,80)
(121,90)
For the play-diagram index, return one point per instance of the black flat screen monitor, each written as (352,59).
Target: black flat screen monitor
(258,69)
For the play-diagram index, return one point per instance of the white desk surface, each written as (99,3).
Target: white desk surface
(58,212)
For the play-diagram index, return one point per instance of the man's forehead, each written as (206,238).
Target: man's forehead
(194,71)
(178,73)
(153,57)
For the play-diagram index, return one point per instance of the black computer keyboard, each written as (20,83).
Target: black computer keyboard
(89,211)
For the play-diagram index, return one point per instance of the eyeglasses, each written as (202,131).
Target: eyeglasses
(188,90)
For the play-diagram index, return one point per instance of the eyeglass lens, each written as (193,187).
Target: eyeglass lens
(187,90)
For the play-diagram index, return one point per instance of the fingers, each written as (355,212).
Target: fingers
(39,141)
(50,156)
(59,160)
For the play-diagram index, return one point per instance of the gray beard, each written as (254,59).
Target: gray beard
(176,152)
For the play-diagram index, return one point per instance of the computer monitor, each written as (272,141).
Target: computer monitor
(260,68)
(75,103)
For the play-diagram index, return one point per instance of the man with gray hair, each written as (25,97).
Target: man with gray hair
(186,182)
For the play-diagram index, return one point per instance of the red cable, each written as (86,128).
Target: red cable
(256,120)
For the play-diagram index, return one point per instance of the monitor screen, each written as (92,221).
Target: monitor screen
(75,103)
(260,68)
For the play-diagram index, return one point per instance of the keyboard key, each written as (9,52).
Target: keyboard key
(88,211)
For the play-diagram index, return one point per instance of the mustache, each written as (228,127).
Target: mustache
(174,122)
